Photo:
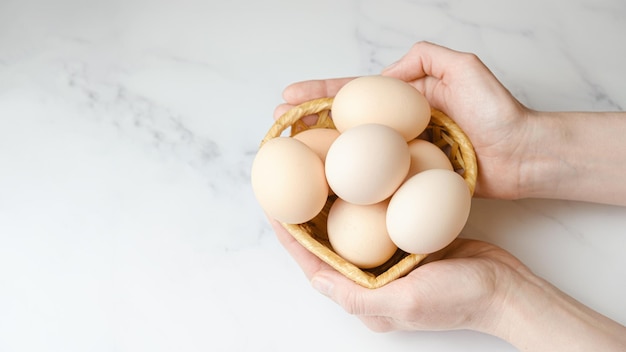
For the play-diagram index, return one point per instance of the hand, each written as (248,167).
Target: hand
(461,86)
(458,287)
(468,285)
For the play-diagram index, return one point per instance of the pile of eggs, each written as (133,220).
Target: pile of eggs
(394,190)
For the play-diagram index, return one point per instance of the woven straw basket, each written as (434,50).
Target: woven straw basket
(441,131)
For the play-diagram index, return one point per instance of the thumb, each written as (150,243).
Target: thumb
(425,59)
(353,298)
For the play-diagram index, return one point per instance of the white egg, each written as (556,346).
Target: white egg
(367,163)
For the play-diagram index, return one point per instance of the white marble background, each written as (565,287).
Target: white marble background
(127,130)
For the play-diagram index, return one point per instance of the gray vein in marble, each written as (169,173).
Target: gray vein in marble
(188,61)
(376,37)
(600,98)
(145,121)
(164,133)
(569,208)
(616,11)
(552,219)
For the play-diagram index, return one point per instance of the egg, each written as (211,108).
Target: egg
(358,233)
(428,211)
(367,163)
(383,100)
(425,156)
(288,180)
(318,139)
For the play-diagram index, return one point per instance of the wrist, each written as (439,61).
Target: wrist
(573,156)
(534,315)
(540,162)
(498,315)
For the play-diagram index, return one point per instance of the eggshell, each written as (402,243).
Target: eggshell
(288,180)
(318,139)
(367,163)
(428,211)
(382,100)
(425,156)
(358,233)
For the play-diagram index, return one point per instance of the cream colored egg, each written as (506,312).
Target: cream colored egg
(425,156)
(383,100)
(318,139)
(358,233)
(288,180)
(367,163)
(428,211)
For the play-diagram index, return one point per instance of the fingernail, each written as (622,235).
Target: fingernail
(322,285)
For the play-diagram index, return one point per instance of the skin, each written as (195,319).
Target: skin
(521,153)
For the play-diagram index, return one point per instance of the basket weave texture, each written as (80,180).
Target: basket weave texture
(441,131)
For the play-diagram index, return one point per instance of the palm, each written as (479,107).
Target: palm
(491,117)
(446,292)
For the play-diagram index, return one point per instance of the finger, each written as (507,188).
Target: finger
(358,300)
(424,66)
(424,59)
(460,248)
(432,88)
(446,252)
(281,109)
(300,92)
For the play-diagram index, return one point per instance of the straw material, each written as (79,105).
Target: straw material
(442,131)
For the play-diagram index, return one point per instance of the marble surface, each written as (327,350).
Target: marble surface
(127,131)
